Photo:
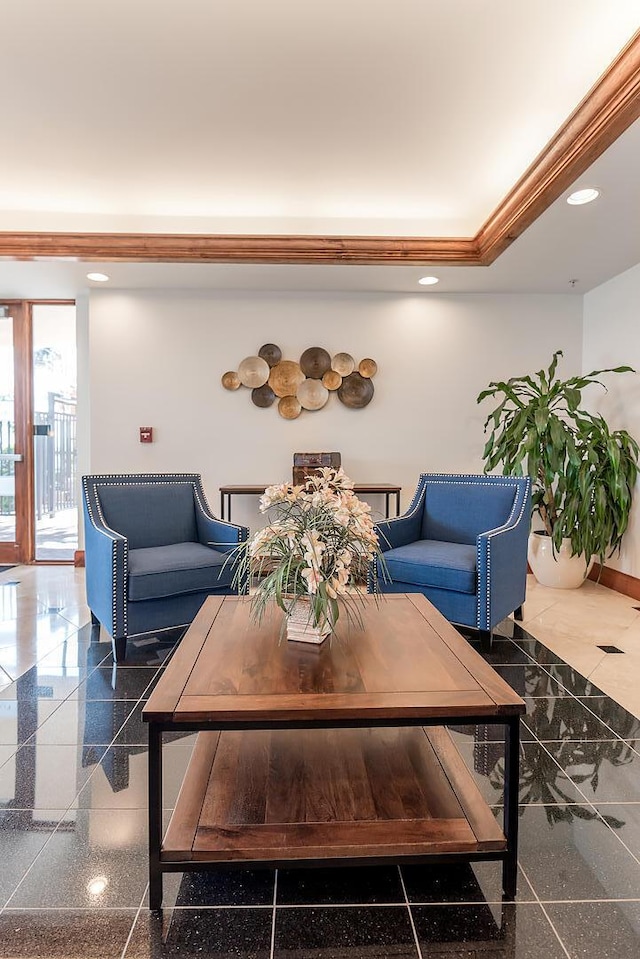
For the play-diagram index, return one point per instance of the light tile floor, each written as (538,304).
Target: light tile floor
(73,830)
(574,623)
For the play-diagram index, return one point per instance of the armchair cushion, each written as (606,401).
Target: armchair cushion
(429,562)
(172,570)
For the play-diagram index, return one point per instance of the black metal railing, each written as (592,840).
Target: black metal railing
(55,459)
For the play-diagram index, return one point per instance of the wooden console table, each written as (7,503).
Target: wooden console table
(385,489)
(289,732)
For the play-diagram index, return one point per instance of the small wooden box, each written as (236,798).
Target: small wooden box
(304,464)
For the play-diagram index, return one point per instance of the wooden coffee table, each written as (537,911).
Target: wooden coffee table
(338,753)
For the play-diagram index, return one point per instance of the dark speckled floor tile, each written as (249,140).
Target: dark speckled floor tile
(362,932)
(622,722)
(568,852)
(624,818)
(536,650)
(339,886)
(541,779)
(210,933)
(23,833)
(93,722)
(36,770)
(604,770)
(459,882)
(94,844)
(519,931)
(563,717)
(598,930)
(118,682)
(121,775)
(19,720)
(530,680)
(27,934)
(573,681)
(220,887)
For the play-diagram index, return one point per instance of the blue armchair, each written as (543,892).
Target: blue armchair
(153,552)
(463,543)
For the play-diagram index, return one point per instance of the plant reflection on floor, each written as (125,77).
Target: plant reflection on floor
(572,747)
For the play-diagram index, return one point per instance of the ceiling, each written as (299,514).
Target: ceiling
(383,118)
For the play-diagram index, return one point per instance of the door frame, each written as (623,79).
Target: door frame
(24,549)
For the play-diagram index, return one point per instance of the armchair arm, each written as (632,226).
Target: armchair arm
(225,537)
(403,529)
(502,564)
(106,561)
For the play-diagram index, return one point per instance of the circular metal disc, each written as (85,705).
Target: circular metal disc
(312,394)
(285,378)
(315,362)
(263,396)
(230,380)
(343,363)
(253,371)
(289,408)
(356,391)
(368,368)
(332,380)
(271,353)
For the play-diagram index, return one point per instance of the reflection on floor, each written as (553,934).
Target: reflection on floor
(73,808)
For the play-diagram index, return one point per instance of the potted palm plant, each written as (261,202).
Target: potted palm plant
(583,473)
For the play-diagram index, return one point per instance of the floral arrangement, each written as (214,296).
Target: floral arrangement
(316,550)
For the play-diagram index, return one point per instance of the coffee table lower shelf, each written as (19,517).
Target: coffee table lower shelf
(286,797)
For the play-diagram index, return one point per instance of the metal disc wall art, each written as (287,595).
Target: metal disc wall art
(231,380)
(253,371)
(312,394)
(263,396)
(271,353)
(343,363)
(285,378)
(315,362)
(356,391)
(306,384)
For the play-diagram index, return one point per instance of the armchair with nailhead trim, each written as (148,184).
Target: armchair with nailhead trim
(463,544)
(153,552)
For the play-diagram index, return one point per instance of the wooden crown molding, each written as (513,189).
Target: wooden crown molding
(610,107)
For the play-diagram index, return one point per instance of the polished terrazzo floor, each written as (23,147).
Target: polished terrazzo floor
(73,843)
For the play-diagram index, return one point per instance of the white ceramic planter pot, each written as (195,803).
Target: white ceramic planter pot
(558,569)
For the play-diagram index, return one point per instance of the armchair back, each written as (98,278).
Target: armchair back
(150,514)
(455,512)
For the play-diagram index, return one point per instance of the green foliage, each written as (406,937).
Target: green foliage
(583,474)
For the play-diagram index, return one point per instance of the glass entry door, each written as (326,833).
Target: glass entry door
(38,481)
(14,448)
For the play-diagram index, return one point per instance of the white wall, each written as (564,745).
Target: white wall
(156,359)
(612,338)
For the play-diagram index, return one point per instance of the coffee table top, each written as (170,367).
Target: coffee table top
(406,663)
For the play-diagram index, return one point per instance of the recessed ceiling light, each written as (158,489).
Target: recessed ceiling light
(98,277)
(428,280)
(583,196)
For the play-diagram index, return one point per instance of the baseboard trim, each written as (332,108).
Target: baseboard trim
(78,557)
(616,580)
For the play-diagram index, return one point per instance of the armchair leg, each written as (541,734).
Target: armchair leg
(486,637)
(119,648)
(518,614)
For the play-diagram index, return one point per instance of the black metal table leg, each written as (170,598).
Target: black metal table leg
(511,795)
(398,503)
(386,505)
(221,505)
(155,815)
